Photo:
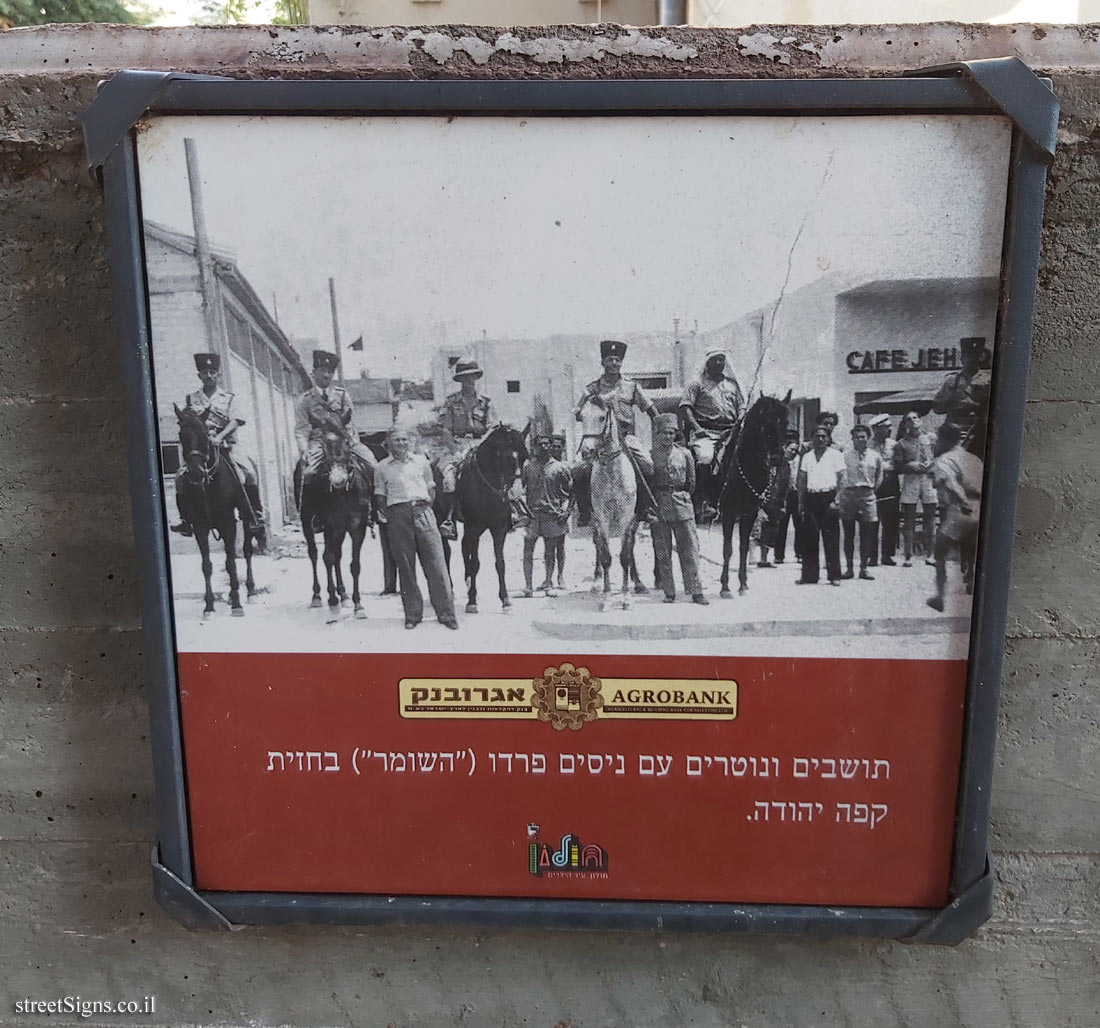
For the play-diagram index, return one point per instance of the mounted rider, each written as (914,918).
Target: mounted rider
(465,417)
(215,406)
(711,407)
(322,406)
(612,392)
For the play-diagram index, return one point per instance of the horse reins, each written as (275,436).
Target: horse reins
(762,497)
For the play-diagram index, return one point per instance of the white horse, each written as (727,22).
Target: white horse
(614,497)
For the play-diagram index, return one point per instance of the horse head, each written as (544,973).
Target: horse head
(766,420)
(337,455)
(606,436)
(503,452)
(195,444)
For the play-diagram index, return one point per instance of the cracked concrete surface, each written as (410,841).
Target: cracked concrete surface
(75,781)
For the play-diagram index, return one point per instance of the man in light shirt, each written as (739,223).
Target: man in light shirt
(403,490)
(820,479)
(862,477)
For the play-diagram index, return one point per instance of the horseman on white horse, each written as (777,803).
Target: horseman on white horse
(616,464)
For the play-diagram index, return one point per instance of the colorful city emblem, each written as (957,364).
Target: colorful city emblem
(569,856)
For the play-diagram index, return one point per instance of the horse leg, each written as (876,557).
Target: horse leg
(330,560)
(629,539)
(747,521)
(499,532)
(229,537)
(357,536)
(311,548)
(471,564)
(249,581)
(603,565)
(727,552)
(338,567)
(203,541)
(626,559)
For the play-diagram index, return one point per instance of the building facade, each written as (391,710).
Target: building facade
(259,364)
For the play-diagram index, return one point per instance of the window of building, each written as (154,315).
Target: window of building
(169,458)
(513,385)
(651,381)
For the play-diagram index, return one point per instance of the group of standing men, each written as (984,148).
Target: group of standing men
(888,490)
(818,487)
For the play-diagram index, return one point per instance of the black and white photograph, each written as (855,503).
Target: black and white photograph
(652,385)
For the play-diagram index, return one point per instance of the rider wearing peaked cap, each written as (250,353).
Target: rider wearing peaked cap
(215,406)
(309,411)
(611,392)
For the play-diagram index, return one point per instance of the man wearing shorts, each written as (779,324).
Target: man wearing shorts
(547,484)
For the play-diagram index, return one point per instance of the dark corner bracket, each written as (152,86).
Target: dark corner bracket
(120,102)
(181,902)
(962,916)
(1023,96)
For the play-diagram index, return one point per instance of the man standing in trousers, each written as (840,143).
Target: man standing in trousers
(673,484)
(403,491)
(820,479)
(886,496)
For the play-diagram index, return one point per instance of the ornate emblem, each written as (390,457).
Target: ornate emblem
(567,697)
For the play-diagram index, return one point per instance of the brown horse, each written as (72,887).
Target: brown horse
(339,497)
(210,496)
(485,480)
(744,475)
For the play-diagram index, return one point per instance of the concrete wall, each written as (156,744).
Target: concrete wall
(76,914)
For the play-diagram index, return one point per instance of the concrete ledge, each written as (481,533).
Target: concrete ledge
(760,50)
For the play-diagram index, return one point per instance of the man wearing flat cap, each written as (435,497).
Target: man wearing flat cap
(465,417)
(612,392)
(326,402)
(215,405)
(964,395)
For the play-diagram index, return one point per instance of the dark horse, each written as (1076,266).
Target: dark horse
(485,478)
(338,497)
(744,474)
(210,496)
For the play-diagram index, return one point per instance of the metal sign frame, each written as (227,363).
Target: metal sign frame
(999,87)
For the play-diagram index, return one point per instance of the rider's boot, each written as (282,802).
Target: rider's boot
(447,526)
(184,528)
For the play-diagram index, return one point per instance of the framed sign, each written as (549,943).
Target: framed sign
(575,503)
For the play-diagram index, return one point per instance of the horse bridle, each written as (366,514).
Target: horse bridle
(207,469)
(606,455)
(500,491)
(761,497)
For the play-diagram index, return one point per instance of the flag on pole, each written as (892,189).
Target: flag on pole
(357,345)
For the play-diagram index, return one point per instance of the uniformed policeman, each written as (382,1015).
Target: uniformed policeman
(612,392)
(324,396)
(465,417)
(215,405)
